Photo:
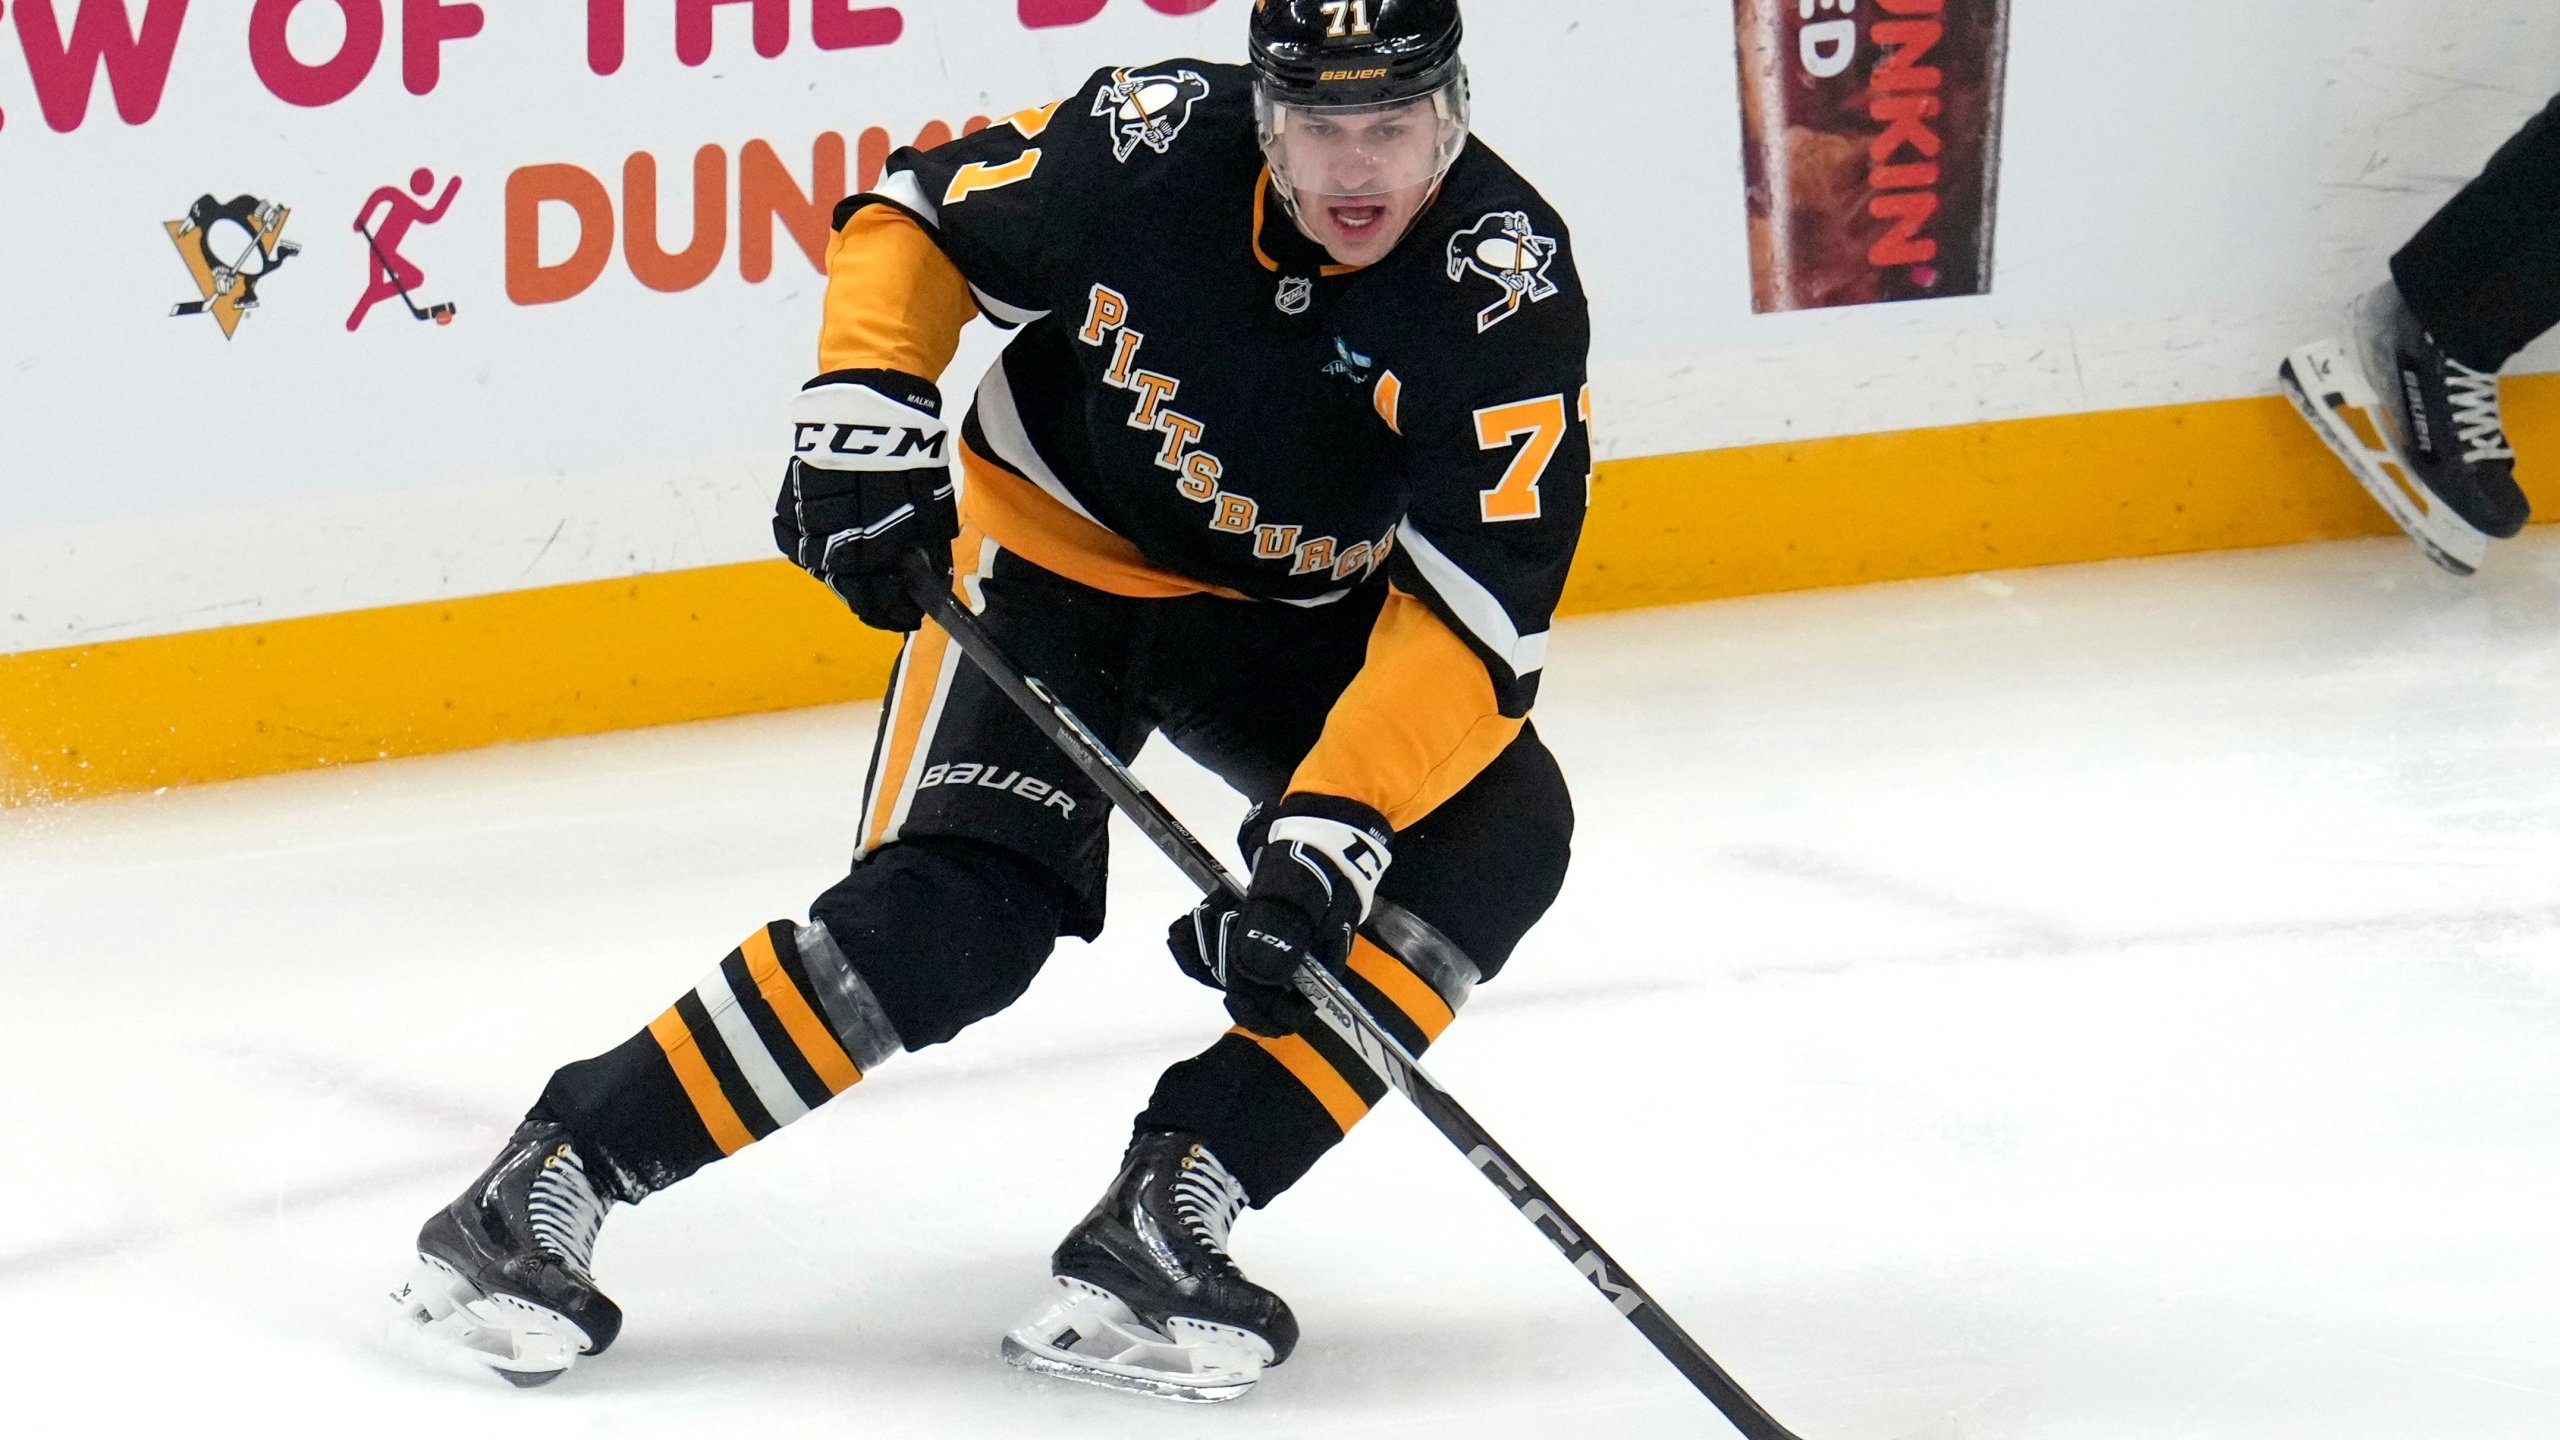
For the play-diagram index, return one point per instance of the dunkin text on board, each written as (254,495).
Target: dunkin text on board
(134,45)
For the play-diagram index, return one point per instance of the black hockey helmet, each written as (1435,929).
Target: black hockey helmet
(1329,53)
(1325,72)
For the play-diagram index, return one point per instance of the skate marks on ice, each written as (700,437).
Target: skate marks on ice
(2267,1155)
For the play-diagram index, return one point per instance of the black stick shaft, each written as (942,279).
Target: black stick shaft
(1344,1013)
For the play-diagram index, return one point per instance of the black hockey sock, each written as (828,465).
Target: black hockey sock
(1270,1108)
(778,1028)
(948,931)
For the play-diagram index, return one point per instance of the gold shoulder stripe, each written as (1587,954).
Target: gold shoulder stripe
(1034,120)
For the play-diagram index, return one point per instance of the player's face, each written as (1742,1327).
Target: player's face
(1355,176)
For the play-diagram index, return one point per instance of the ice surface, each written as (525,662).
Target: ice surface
(2120,1001)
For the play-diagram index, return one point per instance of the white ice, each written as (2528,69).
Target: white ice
(2120,1001)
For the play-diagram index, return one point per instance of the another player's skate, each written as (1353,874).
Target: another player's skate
(1147,1299)
(2417,427)
(502,1278)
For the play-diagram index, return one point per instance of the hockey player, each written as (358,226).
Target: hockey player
(2422,351)
(1286,462)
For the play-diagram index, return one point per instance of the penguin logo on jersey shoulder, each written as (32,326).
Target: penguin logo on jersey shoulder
(1148,110)
(1505,248)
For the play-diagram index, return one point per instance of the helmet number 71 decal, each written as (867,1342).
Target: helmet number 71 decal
(1349,17)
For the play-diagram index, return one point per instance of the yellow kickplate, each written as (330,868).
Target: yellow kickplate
(419,679)
(737,639)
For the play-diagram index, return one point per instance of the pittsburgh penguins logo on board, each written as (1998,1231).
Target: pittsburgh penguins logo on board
(1148,110)
(228,249)
(1504,248)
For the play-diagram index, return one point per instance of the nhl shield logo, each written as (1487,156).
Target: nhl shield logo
(1503,248)
(1148,110)
(1297,292)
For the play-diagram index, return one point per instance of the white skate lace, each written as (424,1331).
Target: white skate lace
(566,1211)
(1207,1198)
(2474,394)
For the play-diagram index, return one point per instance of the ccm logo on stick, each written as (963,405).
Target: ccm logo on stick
(861,440)
(990,777)
(1558,1233)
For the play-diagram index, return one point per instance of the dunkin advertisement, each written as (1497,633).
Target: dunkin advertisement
(1870,147)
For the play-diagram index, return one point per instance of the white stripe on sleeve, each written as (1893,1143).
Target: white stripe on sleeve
(1475,606)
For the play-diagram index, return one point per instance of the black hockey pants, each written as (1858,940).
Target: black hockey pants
(980,845)
(2484,275)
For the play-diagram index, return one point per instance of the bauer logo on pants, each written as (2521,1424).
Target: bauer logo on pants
(998,778)
(229,248)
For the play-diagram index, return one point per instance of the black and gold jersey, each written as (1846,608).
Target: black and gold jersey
(1198,398)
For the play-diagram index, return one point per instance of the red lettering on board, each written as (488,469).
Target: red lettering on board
(604,36)
(693,27)
(333,79)
(1904,100)
(1048,14)
(103,37)
(839,25)
(1910,211)
(425,27)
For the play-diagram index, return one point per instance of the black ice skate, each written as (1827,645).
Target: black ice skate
(502,1278)
(2419,428)
(1147,1299)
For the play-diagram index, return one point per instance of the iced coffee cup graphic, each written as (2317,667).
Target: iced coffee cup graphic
(1870,147)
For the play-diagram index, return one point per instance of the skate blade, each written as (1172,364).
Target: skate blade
(446,1321)
(2339,403)
(1087,1335)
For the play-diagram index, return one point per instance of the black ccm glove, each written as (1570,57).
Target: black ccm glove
(869,481)
(1314,878)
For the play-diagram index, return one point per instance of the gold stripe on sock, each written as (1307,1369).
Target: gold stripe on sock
(700,1085)
(825,1055)
(1407,991)
(1331,1091)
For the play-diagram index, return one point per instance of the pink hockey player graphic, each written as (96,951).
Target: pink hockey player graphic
(394,275)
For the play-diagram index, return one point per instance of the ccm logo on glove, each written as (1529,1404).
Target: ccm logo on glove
(868,484)
(852,441)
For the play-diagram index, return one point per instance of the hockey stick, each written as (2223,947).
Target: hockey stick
(1343,1012)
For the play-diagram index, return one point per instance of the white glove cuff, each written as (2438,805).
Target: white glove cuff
(1358,855)
(847,425)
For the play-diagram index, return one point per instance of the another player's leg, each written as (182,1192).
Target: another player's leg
(1145,1295)
(2408,396)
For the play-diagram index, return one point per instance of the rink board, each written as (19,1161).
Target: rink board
(734,639)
